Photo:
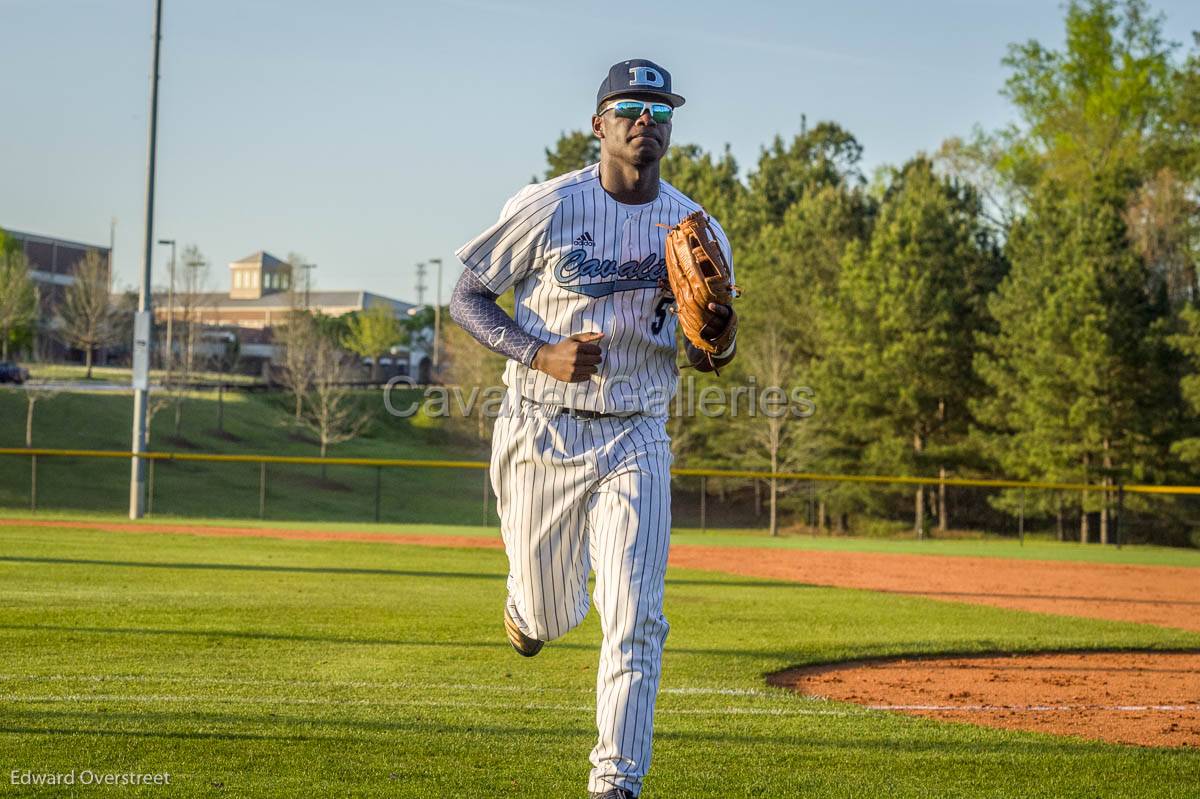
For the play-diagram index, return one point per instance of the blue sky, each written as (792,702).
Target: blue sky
(372,135)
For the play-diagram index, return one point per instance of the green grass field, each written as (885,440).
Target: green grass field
(271,668)
(253,424)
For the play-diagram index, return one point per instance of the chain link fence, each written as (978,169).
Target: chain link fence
(298,489)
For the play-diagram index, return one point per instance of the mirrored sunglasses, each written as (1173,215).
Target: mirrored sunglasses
(632,109)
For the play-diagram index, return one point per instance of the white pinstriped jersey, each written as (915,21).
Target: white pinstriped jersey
(580,262)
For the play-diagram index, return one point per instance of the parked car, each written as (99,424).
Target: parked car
(11,373)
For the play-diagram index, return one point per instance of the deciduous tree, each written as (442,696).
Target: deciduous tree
(87,316)
(330,409)
(1096,107)
(18,298)
(371,334)
(298,338)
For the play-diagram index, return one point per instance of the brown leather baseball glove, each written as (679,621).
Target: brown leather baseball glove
(698,275)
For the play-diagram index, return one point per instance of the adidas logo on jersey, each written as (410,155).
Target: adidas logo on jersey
(585,240)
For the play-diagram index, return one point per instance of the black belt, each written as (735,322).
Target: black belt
(578,413)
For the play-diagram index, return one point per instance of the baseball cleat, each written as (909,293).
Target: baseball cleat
(612,793)
(526,647)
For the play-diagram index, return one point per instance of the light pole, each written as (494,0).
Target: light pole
(307,280)
(421,283)
(169,354)
(141,326)
(437,315)
(112,249)
(413,313)
(193,284)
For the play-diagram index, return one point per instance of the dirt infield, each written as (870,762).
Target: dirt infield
(1165,596)
(297,534)
(1136,698)
(1149,699)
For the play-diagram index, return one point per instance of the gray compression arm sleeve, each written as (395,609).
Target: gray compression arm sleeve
(475,310)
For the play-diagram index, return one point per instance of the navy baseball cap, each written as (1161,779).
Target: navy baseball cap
(637,77)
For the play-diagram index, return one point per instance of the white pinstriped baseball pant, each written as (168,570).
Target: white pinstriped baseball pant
(574,494)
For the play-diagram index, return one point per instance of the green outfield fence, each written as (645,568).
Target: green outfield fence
(396,489)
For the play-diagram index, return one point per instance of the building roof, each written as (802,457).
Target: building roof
(20,234)
(261,258)
(52,259)
(282,300)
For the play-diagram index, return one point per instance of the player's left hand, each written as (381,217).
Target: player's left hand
(716,319)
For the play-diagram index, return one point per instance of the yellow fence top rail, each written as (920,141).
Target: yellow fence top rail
(681,472)
(223,458)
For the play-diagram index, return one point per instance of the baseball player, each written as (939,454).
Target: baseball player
(580,454)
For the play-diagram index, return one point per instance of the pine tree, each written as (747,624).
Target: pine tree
(898,377)
(572,151)
(1187,342)
(1076,364)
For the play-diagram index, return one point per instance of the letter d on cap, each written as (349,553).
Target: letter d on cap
(645,76)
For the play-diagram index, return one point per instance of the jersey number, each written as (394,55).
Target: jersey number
(660,314)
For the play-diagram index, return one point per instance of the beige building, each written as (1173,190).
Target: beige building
(263,290)
(259,274)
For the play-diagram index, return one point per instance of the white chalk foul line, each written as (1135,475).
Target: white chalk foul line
(728,710)
(716,691)
(306,701)
(1039,708)
(331,684)
(394,685)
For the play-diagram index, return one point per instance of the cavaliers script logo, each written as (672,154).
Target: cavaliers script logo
(607,276)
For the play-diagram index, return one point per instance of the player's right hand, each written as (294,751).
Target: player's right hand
(571,360)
